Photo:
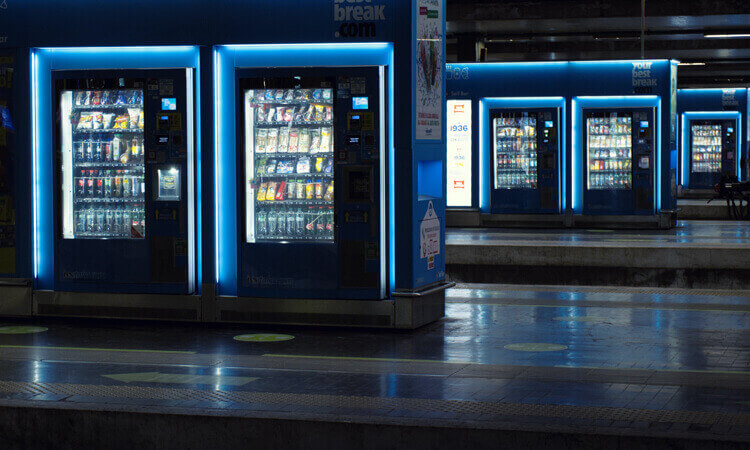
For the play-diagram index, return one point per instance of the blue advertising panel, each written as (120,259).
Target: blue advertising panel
(608,84)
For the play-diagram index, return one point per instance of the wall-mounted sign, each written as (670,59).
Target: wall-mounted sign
(458,157)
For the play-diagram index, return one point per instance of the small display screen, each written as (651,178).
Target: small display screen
(360,103)
(644,123)
(169,104)
(549,124)
(353,139)
(162,140)
(730,130)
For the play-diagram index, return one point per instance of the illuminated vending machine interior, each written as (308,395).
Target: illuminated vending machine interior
(619,161)
(313,197)
(125,208)
(713,148)
(525,161)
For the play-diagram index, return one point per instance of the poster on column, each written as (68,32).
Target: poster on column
(430,61)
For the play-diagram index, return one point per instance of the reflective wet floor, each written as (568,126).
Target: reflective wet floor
(669,360)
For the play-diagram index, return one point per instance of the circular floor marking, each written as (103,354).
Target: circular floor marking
(263,337)
(21,329)
(535,347)
(593,319)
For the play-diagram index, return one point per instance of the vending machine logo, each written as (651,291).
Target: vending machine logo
(357,18)
(642,75)
(728,99)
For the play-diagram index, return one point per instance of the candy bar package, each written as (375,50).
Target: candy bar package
(107,122)
(289,95)
(325,140)
(280,191)
(289,114)
(273,140)
(279,95)
(319,164)
(329,192)
(327,94)
(304,141)
(97,120)
(87,99)
(309,191)
(271,115)
(309,114)
(271,166)
(303,165)
(269,95)
(85,122)
(315,141)
(317,94)
(121,122)
(106,98)
(261,137)
(329,114)
(262,192)
(260,113)
(318,190)
(329,166)
(271,192)
(293,140)
(285,166)
(283,146)
(133,114)
(280,114)
(96,98)
(319,113)
(300,191)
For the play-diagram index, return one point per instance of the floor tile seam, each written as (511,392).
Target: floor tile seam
(633,245)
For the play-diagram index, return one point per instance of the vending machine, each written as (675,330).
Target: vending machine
(525,168)
(619,160)
(714,153)
(124,200)
(312,202)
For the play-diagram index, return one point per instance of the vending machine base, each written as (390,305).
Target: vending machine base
(117,306)
(15,297)
(665,220)
(404,311)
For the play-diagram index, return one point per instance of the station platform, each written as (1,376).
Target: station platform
(509,367)
(702,209)
(694,254)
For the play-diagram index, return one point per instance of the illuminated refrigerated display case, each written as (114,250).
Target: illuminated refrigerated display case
(289,165)
(610,155)
(515,139)
(103,172)
(706,148)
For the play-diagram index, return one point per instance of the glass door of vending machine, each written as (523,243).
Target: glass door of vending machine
(525,155)
(712,152)
(618,161)
(313,194)
(125,200)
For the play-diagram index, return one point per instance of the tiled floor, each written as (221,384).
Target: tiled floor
(554,356)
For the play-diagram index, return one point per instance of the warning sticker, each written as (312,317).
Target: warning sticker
(429,233)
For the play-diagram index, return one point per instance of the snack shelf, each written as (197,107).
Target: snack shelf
(291,123)
(107,107)
(296,175)
(271,203)
(120,200)
(110,130)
